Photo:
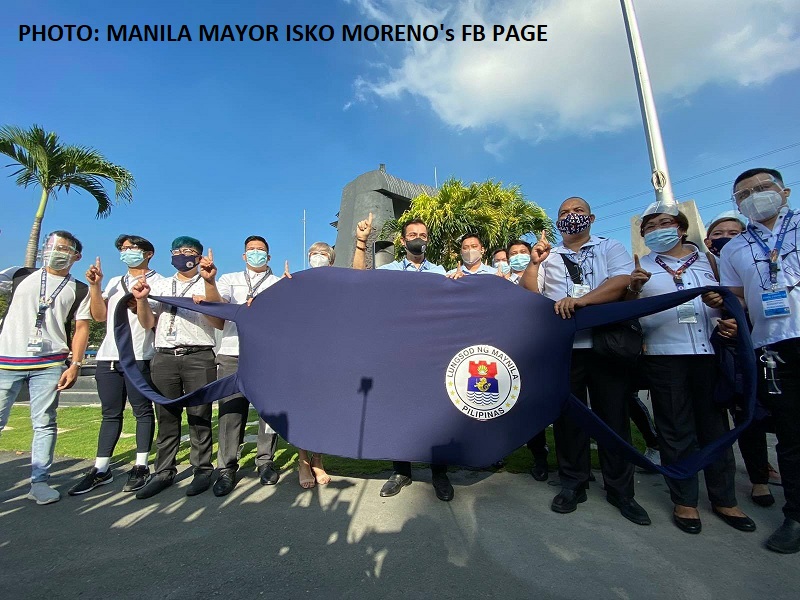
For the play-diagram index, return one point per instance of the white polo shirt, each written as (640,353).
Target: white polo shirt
(599,259)
(21,319)
(663,334)
(744,263)
(142,338)
(234,289)
(192,328)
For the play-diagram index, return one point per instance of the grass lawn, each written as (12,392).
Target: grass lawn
(78,427)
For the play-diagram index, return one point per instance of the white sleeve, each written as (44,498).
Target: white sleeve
(540,278)
(110,286)
(618,261)
(727,273)
(7,280)
(83,313)
(225,288)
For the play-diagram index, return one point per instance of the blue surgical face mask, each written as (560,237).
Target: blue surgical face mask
(519,262)
(505,268)
(661,240)
(256,258)
(132,258)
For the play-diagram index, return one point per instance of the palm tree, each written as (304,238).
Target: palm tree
(43,160)
(497,214)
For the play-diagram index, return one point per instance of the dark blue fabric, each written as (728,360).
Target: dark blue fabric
(353,363)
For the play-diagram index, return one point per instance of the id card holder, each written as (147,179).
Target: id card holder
(775,304)
(171,336)
(35,341)
(686,313)
(580,289)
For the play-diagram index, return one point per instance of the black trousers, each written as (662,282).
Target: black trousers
(785,409)
(233,412)
(753,446)
(643,421)
(538,447)
(113,389)
(682,391)
(404,468)
(174,376)
(609,384)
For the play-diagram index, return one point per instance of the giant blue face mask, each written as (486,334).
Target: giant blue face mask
(441,379)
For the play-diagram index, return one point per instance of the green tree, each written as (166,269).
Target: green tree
(42,159)
(497,214)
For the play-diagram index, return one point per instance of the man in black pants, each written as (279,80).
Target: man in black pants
(184,361)
(585,270)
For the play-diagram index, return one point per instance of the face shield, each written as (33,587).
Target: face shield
(58,253)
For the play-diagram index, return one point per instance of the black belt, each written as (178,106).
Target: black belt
(181,350)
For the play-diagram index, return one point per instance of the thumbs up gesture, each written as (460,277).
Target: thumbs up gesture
(208,270)
(364,228)
(94,274)
(638,276)
(541,249)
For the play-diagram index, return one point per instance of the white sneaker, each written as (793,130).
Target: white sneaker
(654,456)
(43,493)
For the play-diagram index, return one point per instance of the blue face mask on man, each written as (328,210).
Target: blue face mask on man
(256,258)
(184,263)
(132,257)
(661,240)
(519,262)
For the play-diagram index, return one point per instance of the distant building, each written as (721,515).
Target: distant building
(386,197)
(696,235)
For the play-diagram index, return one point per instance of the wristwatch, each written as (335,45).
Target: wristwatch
(77,363)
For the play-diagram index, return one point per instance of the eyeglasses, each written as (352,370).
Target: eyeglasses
(763,186)
(413,236)
(63,248)
(660,224)
(131,247)
(185,252)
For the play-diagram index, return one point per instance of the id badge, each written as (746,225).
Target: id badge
(171,336)
(775,304)
(35,341)
(686,313)
(580,289)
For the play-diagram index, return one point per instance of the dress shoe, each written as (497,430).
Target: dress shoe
(267,474)
(741,523)
(225,482)
(539,470)
(687,524)
(567,501)
(393,486)
(443,487)
(764,500)
(630,509)
(156,484)
(200,483)
(786,538)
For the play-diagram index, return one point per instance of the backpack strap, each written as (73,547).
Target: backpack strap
(81,290)
(572,269)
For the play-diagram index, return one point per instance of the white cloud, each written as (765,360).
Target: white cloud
(580,81)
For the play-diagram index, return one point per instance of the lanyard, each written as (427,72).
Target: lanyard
(174,310)
(253,289)
(677,276)
(44,301)
(773,254)
(126,284)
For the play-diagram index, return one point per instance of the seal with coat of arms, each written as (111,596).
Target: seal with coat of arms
(483,382)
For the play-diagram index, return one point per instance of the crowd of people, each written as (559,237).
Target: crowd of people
(753,251)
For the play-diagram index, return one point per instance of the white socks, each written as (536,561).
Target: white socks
(141,459)
(101,463)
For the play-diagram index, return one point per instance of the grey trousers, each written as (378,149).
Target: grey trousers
(233,412)
(173,377)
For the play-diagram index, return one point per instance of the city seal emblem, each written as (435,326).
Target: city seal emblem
(483,382)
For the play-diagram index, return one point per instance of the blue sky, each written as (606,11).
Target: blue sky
(232,139)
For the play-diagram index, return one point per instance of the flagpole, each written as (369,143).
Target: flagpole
(305,258)
(655,145)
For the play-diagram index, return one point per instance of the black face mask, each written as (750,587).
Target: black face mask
(718,243)
(185,263)
(416,246)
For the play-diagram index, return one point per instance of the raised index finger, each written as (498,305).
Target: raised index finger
(369,221)
(211,255)
(636,264)
(543,237)
(97,262)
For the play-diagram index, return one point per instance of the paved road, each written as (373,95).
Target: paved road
(496,539)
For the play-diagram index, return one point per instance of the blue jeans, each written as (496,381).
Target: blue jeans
(42,385)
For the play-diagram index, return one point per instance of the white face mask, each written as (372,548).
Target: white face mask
(470,257)
(761,206)
(318,260)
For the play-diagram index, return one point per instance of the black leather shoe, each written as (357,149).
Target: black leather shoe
(156,484)
(200,483)
(267,474)
(539,471)
(567,501)
(630,509)
(393,486)
(786,538)
(225,482)
(764,500)
(741,523)
(687,524)
(443,487)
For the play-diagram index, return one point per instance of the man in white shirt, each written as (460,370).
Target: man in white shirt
(761,266)
(584,270)
(183,362)
(113,387)
(240,287)
(471,254)
(35,343)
